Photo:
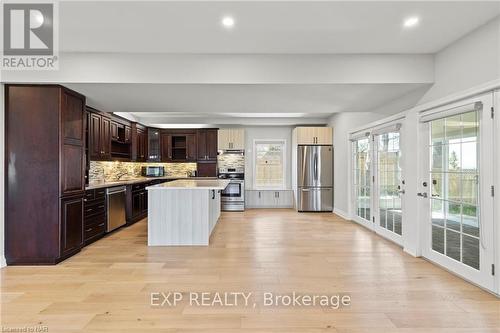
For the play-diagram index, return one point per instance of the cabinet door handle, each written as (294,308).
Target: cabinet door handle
(213,194)
(88,230)
(259,194)
(101,206)
(101,225)
(278,194)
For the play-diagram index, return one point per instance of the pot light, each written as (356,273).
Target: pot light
(228,22)
(411,22)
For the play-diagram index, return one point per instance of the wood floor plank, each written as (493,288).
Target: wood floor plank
(107,287)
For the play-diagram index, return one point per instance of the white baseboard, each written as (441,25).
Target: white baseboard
(342,214)
(3,263)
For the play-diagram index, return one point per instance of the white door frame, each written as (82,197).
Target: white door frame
(483,277)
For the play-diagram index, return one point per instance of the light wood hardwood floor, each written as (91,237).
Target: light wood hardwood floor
(107,287)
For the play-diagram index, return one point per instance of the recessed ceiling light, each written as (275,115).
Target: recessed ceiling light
(411,22)
(228,22)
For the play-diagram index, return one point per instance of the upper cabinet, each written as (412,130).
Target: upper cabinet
(314,135)
(139,143)
(207,145)
(108,139)
(178,146)
(231,138)
(99,137)
(154,154)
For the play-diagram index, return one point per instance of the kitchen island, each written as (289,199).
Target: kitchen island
(183,212)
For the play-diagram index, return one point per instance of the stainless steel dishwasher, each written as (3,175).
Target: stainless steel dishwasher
(115,198)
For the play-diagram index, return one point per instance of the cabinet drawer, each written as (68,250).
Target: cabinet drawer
(94,208)
(95,230)
(89,195)
(138,187)
(100,193)
(94,220)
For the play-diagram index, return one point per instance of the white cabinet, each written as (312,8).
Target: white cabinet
(269,199)
(231,138)
(314,135)
(214,209)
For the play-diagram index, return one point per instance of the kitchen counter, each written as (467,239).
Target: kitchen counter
(184,212)
(95,185)
(192,184)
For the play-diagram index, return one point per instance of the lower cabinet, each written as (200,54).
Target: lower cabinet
(95,217)
(71,225)
(269,199)
(137,200)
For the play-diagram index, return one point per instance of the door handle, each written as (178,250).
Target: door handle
(401,192)
(422,194)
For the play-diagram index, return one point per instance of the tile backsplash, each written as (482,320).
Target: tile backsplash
(231,160)
(110,171)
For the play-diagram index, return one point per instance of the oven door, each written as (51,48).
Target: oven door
(234,191)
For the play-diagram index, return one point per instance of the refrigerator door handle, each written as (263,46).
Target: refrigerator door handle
(316,167)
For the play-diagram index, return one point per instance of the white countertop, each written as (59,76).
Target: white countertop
(192,184)
(94,185)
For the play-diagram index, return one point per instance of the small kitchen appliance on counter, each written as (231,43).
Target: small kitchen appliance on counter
(153,171)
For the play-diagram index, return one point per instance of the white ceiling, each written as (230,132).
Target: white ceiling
(237,103)
(133,56)
(267,27)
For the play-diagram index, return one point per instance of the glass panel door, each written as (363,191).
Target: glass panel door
(457,204)
(389,184)
(454,179)
(362,178)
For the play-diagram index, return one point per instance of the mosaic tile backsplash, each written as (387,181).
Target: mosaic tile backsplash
(231,161)
(110,171)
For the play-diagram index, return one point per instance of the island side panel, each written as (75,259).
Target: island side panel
(178,217)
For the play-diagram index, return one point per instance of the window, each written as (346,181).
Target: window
(269,164)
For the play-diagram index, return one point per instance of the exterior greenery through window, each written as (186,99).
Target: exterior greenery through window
(269,164)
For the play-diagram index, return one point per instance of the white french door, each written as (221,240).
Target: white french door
(388,185)
(378,186)
(362,180)
(456,199)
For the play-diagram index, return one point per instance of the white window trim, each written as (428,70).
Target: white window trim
(254,167)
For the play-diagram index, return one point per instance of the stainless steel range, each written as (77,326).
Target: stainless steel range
(233,197)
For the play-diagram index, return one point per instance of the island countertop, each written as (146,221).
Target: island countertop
(192,184)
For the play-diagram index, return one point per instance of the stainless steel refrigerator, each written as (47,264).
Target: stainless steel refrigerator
(315,178)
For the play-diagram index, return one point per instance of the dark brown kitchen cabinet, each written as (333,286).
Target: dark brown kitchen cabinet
(154,145)
(191,148)
(166,147)
(206,169)
(106,138)
(99,141)
(94,215)
(178,146)
(114,130)
(71,224)
(94,133)
(139,142)
(207,144)
(128,134)
(44,177)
